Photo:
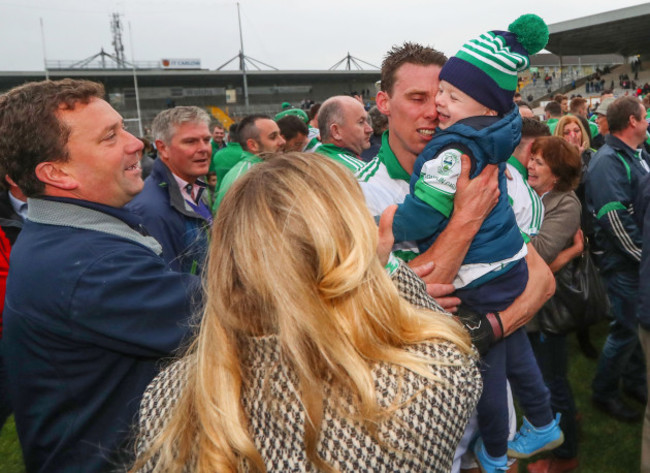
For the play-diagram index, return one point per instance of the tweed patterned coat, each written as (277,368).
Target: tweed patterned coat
(421,435)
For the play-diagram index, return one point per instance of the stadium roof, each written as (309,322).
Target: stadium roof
(623,31)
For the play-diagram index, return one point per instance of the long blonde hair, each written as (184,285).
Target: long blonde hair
(292,255)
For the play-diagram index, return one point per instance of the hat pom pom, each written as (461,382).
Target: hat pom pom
(531,32)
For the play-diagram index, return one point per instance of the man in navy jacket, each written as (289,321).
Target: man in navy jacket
(91,307)
(612,184)
(174,205)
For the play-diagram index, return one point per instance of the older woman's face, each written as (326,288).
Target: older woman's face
(540,176)
(572,134)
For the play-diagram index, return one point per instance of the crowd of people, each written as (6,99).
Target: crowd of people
(319,290)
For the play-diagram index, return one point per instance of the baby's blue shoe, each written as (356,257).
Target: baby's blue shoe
(485,462)
(530,440)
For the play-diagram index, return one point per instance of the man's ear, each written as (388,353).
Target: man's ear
(52,174)
(529,146)
(162,148)
(335,131)
(383,102)
(10,181)
(252,145)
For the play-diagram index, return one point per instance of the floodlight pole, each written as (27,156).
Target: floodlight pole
(135,83)
(47,74)
(242,57)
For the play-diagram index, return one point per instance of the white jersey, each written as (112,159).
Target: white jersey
(526,204)
(379,188)
(384,183)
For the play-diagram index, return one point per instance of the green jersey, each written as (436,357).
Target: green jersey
(249,160)
(224,159)
(342,155)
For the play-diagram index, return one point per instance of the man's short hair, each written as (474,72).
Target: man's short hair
(30,131)
(576,104)
(407,53)
(378,121)
(313,111)
(165,124)
(218,125)
(559,98)
(554,109)
(291,125)
(532,128)
(233,136)
(523,103)
(330,112)
(619,111)
(248,130)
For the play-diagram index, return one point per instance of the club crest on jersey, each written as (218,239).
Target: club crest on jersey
(448,161)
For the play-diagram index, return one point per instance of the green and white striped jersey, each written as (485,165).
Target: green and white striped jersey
(527,205)
(342,155)
(384,182)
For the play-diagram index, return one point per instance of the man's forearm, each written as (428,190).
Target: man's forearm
(540,287)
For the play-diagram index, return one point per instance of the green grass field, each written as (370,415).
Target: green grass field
(11,458)
(606,446)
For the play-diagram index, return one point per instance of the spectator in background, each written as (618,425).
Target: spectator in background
(226,158)
(601,121)
(552,113)
(172,205)
(13,211)
(572,129)
(611,188)
(525,203)
(211,182)
(563,100)
(258,135)
(525,111)
(553,172)
(579,108)
(146,162)
(218,140)
(379,123)
(294,131)
(344,131)
(314,132)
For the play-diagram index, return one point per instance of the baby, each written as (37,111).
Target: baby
(478,118)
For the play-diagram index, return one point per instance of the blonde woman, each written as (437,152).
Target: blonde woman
(307,358)
(571,129)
